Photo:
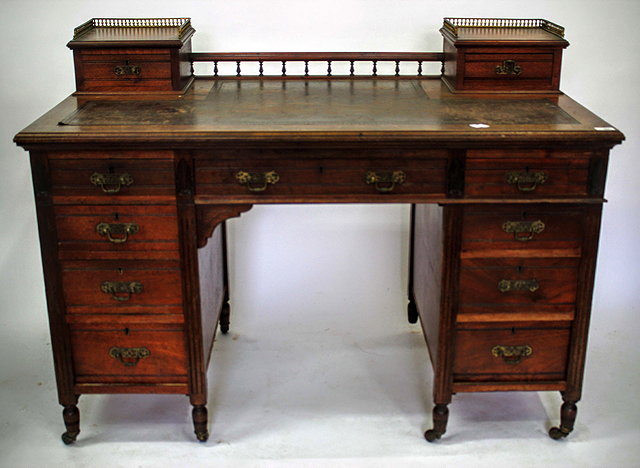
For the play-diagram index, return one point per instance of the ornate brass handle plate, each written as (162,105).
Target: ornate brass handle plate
(512,354)
(121,290)
(530,285)
(111,183)
(523,231)
(509,67)
(257,181)
(385,182)
(129,356)
(526,181)
(126,69)
(121,230)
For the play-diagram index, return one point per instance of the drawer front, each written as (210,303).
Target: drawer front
(122,287)
(130,354)
(499,352)
(266,178)
(518,285)
(129,69)
(111,180)
(526,178)
(119,231)
(513,70)
(522,230)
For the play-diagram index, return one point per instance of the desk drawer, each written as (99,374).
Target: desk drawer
(511,352)
(122,287)
(522,230)
(264,178)
(136,354)
(114,69)
(119,231)
(513,70)
(111,180)
(526,178)
(525,286)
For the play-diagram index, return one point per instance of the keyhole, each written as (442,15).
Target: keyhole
(513,330)
(126,331)
(519,268)
(111,170)
(116,216)
(120,271)
(524,215)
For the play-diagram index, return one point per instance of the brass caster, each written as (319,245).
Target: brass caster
(432,435)
(412,312)
(202,436)
(69,437)
(557,433)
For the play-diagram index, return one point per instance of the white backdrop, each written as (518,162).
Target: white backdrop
(294,256)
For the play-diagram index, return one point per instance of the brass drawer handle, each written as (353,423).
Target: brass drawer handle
(526,181)
(123,230)
(509,67)
(530,285)
(512,354)
(111,183)
(121,290)
(523,231)
(129,356)
(257,181)
(127,69)
(385,182)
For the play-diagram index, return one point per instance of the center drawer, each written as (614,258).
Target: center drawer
(497,352)
(263,178)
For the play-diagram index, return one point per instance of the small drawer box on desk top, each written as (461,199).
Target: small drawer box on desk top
(502,55)
(132,55)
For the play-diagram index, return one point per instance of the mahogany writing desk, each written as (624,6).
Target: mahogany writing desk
(135,174)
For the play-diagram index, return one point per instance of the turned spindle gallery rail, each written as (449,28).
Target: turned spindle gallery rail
(357,65)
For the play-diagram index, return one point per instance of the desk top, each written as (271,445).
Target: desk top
(318,110)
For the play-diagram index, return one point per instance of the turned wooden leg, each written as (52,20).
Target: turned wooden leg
(71,416)
(200,422)
(440,418)
(225,315)
(568,413)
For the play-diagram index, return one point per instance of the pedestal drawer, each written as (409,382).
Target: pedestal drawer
(518,285)
(149,353)
(119,231)
(122,287)
(111,180)
(522,230)
(511,352)
(526,177)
